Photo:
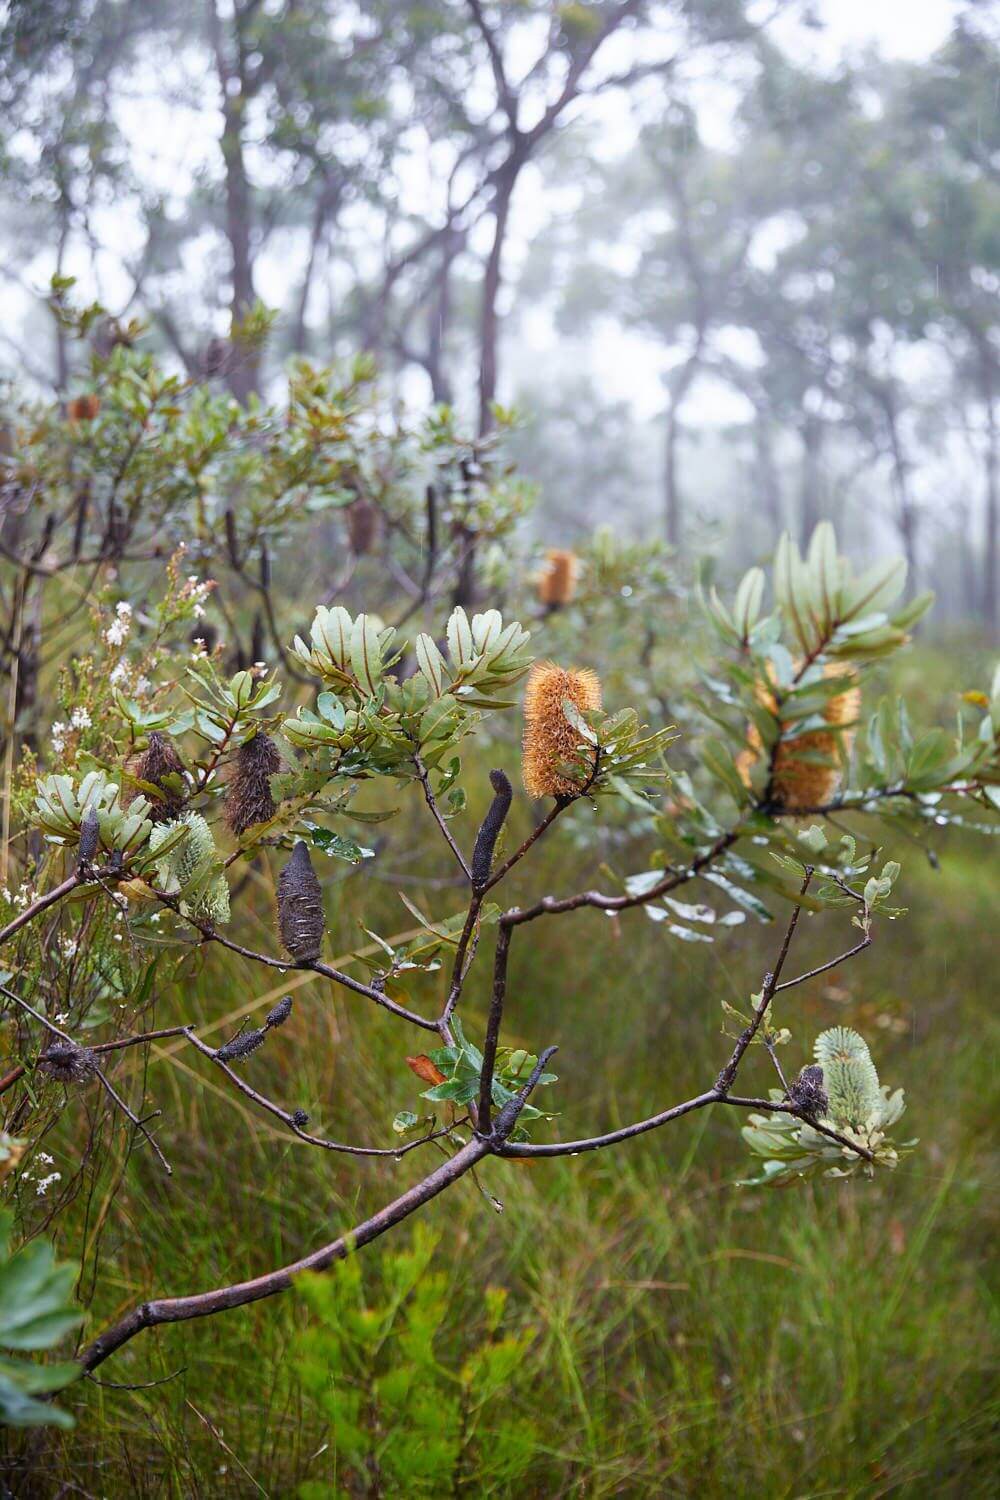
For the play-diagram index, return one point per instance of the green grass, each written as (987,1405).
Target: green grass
(691,1338)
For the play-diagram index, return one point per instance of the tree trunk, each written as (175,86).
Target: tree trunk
(673,505)
(809,493)
(243,369)
(439,317)
(992,511)
(768,479)
(489,327)
(906,515)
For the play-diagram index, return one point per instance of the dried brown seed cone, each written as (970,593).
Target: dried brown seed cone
(362,525)
(300,907)
(557,584)
(249,798)
(550,741)
(809,783)
(158,760)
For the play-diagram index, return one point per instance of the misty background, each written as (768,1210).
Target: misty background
(735,264)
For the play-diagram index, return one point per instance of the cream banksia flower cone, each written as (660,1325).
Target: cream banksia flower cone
(550,741)
(809,782)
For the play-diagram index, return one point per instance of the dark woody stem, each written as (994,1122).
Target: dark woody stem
(204,1304)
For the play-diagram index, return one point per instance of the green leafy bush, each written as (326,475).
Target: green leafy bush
(36,1311)
(401,1423)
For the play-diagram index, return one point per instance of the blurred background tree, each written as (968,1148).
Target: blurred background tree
(803,254)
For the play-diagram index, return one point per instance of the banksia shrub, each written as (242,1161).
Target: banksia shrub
(551,743)
(157,762)
(807,767)
(300,907)
(557,582)
(249,798)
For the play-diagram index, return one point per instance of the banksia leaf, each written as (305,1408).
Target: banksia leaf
(426,1071)
(249,798)
(849,1075)
(551,742)
(486,840)
(156,763)
(300,907)
(557,582)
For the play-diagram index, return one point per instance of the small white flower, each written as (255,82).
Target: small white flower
(120,673)
(80,718)
(117,631)
(142,687)
(124,610)
(58,736)
(45,1183)
(44,1157)
(61,1020)
(199,611)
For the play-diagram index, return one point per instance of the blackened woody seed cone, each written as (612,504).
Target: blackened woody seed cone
(241,1046)
(486,840)
(280,1013)
(90,832)
(249,798)
(158,761)
(248,1041)
(807,1092)
(300,907)
(67,1062)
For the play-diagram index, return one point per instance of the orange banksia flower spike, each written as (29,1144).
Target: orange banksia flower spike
(550,740)
(557,581)
(807,769)
(83,408)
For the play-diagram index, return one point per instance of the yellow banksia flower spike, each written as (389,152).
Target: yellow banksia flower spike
(810,782)
(550,741)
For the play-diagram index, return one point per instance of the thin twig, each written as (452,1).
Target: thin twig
(438,817)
